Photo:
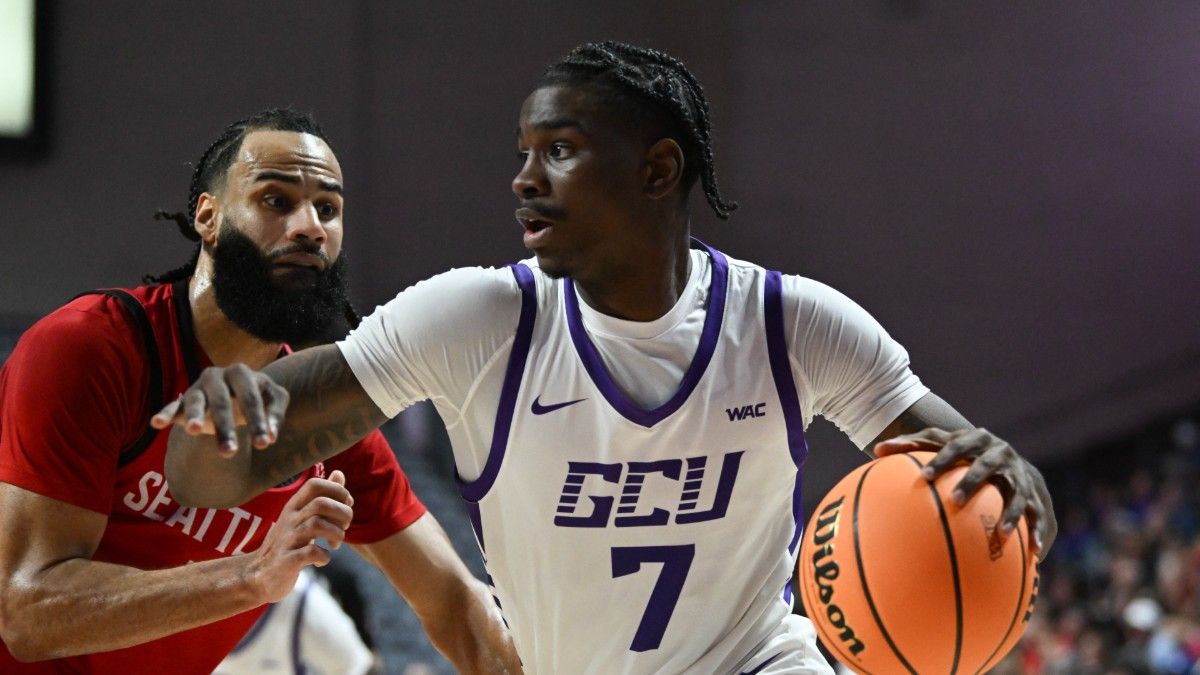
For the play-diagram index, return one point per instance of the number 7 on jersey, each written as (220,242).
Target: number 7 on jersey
(676,561)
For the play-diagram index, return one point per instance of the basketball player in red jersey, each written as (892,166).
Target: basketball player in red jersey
(101,571)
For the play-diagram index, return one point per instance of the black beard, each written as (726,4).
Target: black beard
(261,307)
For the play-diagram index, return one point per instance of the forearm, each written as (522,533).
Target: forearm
(81,606)
(327,412)
(474,638)
(455,609)
(929,411)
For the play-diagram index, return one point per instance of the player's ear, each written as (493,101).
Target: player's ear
(206,218)
(663,168)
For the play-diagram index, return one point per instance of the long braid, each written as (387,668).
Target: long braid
(184,219)
(663,82)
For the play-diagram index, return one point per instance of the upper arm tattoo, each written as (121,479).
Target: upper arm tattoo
(328,412)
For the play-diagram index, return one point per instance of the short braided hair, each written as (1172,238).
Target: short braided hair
(652,86)
(209,173)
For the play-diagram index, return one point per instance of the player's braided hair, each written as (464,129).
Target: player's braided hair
(652,85)
(209,174)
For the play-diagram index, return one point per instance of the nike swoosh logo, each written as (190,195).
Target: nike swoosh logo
(539,409)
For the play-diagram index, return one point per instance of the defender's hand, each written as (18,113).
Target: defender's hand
(223,399)
(319,509)
(992,459)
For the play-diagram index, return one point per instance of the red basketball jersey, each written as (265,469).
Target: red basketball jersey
(74,394)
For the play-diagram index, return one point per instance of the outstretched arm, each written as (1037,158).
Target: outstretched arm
(932,424)
(232,444)
(55,601)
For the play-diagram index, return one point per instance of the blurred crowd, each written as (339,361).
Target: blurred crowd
(1120,590)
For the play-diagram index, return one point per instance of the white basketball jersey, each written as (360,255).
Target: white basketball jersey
(624,540)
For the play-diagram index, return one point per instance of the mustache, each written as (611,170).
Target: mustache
(545,210)
(299,247)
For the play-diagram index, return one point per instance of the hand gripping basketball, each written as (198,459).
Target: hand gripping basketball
(992,460)
(221,400)
(899,578)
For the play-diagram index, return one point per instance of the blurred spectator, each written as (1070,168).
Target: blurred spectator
(1122,584)
(305,633)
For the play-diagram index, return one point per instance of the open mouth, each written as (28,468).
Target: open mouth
(534,225)
(533,220)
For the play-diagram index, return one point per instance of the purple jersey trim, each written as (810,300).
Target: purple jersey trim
(476,524)
(297,625)
(708,343)
(781,371)
(762,665)
(475,490)
(254,630)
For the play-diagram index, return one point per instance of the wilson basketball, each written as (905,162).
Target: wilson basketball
(897,578)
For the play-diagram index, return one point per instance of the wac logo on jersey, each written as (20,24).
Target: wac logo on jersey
(631,476)
(756,410)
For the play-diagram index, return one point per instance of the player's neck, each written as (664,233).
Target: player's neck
(648,285)
(223,341)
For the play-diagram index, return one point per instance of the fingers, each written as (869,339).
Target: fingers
(1012,514)
(163,418)
(313,523)
(340,478)
(991,460)
(1045,532)
(996,464)
(316,488)
(315,528)
(245,390)
(221,399)
(312,554)
(1036,517)
(319,510)
(277,402)
(337,513)
(930,438)
(961,445)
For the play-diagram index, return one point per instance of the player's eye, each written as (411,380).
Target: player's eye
(522,155)
(327,210)
(275,201)
(560,150)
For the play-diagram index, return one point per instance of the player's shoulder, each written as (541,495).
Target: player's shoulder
(797,291)
(93,318)
(735,264)
(468,284)
(452,305)
(86,332)
(804,289)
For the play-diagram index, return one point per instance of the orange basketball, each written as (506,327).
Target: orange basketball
(897,578)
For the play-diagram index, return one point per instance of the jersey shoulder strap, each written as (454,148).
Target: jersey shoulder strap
(154,396)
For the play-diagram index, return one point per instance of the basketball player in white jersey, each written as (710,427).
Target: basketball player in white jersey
(305,633)
(627,408)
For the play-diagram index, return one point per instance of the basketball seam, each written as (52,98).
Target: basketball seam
(958,609)
(1020,601)
(862,577)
